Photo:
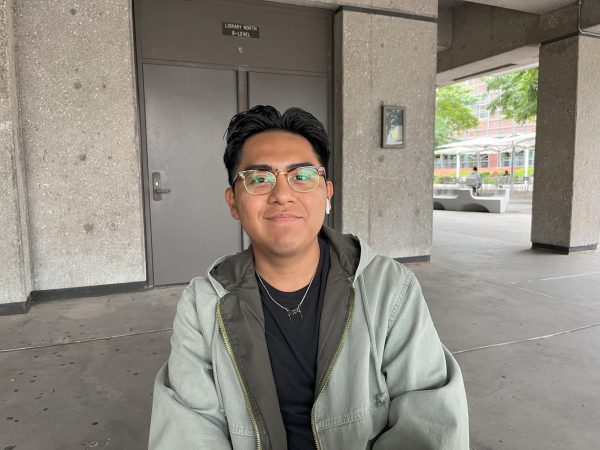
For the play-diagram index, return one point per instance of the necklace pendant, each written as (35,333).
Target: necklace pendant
(293,312)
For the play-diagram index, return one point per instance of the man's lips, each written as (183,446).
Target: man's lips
(283,217)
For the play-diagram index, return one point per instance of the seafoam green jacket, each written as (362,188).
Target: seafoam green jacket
(384,380)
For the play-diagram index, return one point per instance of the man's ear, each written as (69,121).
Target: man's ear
(230,200)
(329,185)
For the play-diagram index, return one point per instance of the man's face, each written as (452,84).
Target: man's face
(283,222)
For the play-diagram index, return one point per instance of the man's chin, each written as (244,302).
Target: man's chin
(284,249)
(282,246)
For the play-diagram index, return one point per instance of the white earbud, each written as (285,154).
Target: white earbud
(327,207)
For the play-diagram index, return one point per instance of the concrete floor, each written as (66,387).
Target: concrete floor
(524,326)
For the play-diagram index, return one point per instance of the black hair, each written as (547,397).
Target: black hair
(475,168)
(264,118)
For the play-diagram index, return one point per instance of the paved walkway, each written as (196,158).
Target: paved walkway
(523,324)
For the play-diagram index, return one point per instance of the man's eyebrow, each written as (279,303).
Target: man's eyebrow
(302,164)
(258,167)
(270,168)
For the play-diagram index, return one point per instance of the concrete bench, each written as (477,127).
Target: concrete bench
(464,200)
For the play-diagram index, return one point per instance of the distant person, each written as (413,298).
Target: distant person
(474,180)
(506,174)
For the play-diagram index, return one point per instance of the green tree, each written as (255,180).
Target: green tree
(453,112)
(517,99)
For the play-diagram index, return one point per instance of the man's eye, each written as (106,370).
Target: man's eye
(259,179)
(303,175)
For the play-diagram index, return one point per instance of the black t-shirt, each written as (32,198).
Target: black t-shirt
(292,344)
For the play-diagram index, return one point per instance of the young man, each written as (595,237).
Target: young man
(474,181)
(307,339)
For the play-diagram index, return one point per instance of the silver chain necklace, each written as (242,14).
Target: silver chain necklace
(290,312)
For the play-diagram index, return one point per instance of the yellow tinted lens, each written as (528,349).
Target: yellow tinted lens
(304,179)
(259,181)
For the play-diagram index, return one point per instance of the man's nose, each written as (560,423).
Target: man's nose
(282,189)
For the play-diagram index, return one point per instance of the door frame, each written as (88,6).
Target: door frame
(242,105)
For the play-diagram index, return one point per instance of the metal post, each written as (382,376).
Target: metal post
(457,166)
(512,167)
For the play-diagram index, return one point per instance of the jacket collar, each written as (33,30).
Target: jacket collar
(241,309)
(230,271)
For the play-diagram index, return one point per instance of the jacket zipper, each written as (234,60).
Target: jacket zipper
(330,369)
(239,376)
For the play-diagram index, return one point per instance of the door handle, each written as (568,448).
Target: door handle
(157,186)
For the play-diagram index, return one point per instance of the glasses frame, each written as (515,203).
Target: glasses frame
(242,174)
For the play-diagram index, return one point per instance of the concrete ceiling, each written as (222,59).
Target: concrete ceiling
(530,6)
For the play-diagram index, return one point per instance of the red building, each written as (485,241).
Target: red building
(489,125)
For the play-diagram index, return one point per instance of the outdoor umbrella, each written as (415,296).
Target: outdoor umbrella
(519,142)
(484,144)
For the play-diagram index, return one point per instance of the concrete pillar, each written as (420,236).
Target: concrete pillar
(15,277)
(78,118)
(566,198)
(385,59)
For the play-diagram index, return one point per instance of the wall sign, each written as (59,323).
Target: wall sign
(392,126)
(240,30)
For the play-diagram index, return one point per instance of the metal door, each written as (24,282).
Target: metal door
(187,110)
(284,91)
(194,77)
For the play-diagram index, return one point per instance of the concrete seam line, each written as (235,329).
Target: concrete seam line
(567,276)
(562,301)
(541,294)
(385,12)
(526,340)
(104,338)
(511,285)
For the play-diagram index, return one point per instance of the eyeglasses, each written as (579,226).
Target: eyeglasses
(300,179)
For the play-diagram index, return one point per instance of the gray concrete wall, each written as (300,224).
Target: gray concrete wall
(71,185)
(567,188)
(418,7)
(15,273)
(385,193)
(585,223)
(484,38)
(444,29)
(77,98)
(488,39)
(553,193)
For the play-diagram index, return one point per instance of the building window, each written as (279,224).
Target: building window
(480,108)
(469,160)
(484,160)
(506,159)
(531,158)
(450,161)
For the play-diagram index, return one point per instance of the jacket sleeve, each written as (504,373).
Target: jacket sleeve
(185,409)
(428,405)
